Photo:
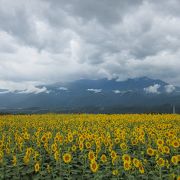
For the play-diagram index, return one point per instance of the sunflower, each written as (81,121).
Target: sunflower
(160,162)
(91,155)
(141,169)
(126,158)
(136,162)
(115,172)
(54,147)
(127,165)
(56,156)
(67,158)
(14,160)
(88,145)
(26,159)
(36,167)
(134,142)
(94,166)
(113,154)
(48,168)
(73,148)
(81,146)
(166,150)
(103,158)
(49,135)
(123,146)
(160,142)
(26,136)
(174,160)
(81,139)
(175,143)
(150,152)
(44,138)
(29,151)
(70,137)
(160,149)
(117,140)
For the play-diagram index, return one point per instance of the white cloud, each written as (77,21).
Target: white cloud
(63,88)
(95,90)
(122,92)
(19,87)
(153,89)
(170,88)
(35,90)
(116,91)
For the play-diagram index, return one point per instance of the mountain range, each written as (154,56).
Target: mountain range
(97,96)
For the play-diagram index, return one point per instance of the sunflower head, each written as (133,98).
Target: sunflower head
(94,166)
(67,158)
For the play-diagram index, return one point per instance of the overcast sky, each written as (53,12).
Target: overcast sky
(46,41)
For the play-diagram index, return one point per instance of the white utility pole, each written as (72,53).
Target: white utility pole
(174,109)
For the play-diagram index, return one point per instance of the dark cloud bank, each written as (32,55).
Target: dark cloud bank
(44,41)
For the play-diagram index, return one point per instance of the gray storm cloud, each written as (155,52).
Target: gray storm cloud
(45,41)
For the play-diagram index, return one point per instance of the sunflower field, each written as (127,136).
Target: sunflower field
(86,146)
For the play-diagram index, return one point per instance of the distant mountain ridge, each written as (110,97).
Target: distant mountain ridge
(100,93)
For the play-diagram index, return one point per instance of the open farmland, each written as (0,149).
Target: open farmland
(89,146)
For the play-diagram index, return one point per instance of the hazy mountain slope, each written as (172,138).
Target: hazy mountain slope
(95,93)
